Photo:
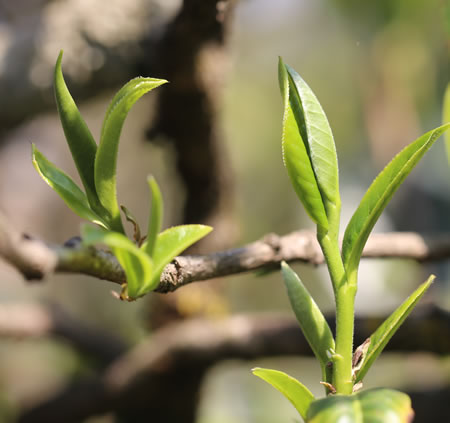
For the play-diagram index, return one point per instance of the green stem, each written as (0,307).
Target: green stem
(345,300)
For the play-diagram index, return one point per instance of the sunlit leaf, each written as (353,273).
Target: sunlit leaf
(371,406)
(79,138)
(137,265)
(155,219)
(106,157)
(308,149)
(379,195)
(297,393)
(387,329)
(311,320)
(172,242)
(67,189)
(446,119)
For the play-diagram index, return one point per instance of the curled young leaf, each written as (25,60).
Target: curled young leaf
(311,320)
(378,196)
(309,152)
(297,393)
(387,329)
(137,265)
(106,157)
(71,194)
(79,138)
(446,119)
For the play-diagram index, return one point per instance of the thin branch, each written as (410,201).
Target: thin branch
(163,366)
(35,259)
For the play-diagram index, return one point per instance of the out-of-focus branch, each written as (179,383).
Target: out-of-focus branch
(36,321)
(164,366)
(35,259)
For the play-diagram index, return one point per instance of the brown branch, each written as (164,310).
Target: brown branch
(172,363)
(35,259)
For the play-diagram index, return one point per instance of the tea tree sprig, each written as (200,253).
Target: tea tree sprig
(309,155)
(143,261)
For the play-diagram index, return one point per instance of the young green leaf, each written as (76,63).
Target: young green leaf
(297,393)
(373,406)
(137,265)
(306,132)
(155,219)
(446,119)
(384,333)
(80,140)
(65,187)
(379,195)
(311,320)
(106,157)
(169,244)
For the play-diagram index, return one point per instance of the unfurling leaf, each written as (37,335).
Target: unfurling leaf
(106,157)
(446,119)
(379,195)
(308,149)
(297,393)
(155,216)
(387,329)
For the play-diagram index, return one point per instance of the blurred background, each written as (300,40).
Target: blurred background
(212,140)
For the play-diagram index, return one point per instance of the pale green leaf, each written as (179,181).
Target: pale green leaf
(295,154)
(297,393)
(384,333)
(137,265)
(67,189)
(307,117)
(378,405)
(311,320)
(106,157)
(379,195)
(155,219)
(446,119)
(79,138)
(172,242)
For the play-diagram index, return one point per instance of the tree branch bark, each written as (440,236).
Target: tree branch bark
(36,259)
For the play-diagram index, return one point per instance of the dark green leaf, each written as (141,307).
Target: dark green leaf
(297,393)
(384,333)
(65,187)
(379,195)
(311,320)
(137,265)
(155,219)
(372,406)
(80,140)
(170,243)
(106,157)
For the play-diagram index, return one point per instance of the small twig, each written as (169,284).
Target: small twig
(35,259)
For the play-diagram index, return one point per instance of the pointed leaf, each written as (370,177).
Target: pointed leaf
(170,243)
(106,157)
(67,189)
(305,123)
(155,219)
(446,119)
(311,320)
(384,333)
(78,136)
(372,406)
(137,265)
(297,393)
(379,195)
